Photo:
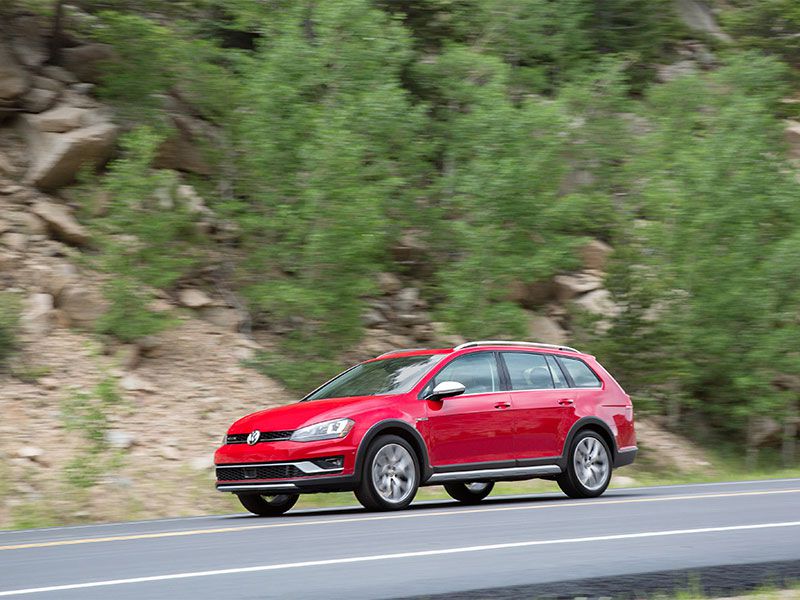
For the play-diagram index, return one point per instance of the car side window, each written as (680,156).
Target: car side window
(477,372)
(582,375)
(528,371)
(558,375)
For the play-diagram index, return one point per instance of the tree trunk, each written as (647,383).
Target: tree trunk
(56,36)
(789,444)
(751,452)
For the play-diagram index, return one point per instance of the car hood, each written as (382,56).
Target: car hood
(299,414)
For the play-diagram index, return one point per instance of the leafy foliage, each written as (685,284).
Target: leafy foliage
(772,25)
(129,317)
(504,133)
(148,238)
(9,325)
(713,260)
(145,205)
(87,413)
(329,144)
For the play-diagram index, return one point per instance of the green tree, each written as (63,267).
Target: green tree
(328,141)
(771,25)
(722,218)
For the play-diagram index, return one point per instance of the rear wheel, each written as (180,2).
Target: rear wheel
(469,493)
(391,475)
(268,506)
(588,467)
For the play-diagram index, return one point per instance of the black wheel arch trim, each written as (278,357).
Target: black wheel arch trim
(388,424)
(581,424)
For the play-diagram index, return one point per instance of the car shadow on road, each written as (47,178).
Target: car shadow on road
(425,505)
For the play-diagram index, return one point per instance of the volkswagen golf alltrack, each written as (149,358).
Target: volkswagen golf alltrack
(463,417)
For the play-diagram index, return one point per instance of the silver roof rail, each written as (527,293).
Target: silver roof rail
(510,343)
(399,350)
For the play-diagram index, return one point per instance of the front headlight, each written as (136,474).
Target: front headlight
(224,439)
(327,430)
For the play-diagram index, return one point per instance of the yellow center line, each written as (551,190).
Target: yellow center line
(409,515)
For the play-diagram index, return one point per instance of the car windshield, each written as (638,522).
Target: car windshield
(378,377)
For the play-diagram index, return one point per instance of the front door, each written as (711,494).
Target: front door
(477,426)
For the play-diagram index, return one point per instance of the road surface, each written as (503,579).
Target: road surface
(537,542)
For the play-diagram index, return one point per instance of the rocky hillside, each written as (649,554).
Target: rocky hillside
(177,391)
(173,394)
(196,223)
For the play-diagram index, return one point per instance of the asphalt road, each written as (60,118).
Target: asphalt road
(527,545)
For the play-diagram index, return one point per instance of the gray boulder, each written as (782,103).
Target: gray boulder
(57,157)
(61,224)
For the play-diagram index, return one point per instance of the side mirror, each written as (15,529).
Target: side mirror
(446,389)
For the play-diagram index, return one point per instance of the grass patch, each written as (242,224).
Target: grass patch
(30,373)
(34,515)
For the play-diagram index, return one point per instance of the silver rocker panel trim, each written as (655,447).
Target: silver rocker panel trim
(489,473)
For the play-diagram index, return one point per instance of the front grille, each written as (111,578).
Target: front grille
(266,436)
(259,472)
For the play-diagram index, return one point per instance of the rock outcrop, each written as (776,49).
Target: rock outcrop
(698,16)
(60,222)
(57,157)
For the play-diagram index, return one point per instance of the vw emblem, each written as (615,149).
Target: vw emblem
(254,436)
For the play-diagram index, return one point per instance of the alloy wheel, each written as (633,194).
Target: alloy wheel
(393,473)
(591,463)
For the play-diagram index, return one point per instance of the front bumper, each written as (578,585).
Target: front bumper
(286,466)
(311,485)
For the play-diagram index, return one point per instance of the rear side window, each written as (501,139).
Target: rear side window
(477,372)
(582,375)
(528,371)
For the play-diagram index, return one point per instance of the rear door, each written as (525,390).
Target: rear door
(542,404)
(477,426)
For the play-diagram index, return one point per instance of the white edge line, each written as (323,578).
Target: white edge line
(377,557)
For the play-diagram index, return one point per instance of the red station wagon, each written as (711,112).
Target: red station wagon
(463,417)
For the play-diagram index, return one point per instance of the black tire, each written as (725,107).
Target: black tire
(367,491)
(463,493)
(268,506)
(570,481)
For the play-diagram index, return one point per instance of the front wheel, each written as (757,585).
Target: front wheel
(588,467)
(391,475)
(268,506)
(469,493)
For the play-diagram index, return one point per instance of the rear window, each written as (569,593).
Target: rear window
(582,375)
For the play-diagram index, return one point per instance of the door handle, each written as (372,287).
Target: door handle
(566,402)
(503,405)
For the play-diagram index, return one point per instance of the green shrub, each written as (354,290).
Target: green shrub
(9,325)
(771,25)
(86,412)
(128,317)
